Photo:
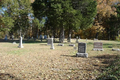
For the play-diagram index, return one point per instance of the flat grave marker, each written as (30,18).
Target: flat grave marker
(113,49)
(72,45)
(60,44)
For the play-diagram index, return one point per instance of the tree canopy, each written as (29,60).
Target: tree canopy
(73,14)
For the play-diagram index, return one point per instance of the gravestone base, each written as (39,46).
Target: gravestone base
(82,55)
(52,47)
(20,46)
(97,49)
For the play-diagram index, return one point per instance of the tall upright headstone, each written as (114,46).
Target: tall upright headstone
(82,50)
(86,39)
(20,44)
(77,39)
(69,38)
(52,45)
(98,46)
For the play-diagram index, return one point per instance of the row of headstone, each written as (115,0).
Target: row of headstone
(82,48)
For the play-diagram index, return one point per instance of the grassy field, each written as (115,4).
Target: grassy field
(36,61)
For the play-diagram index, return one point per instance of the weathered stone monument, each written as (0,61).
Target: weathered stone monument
(52,45)
(49,42)
(20,44)
(82,50)
(77,39)
(69,38)
(86,39)
(98,46)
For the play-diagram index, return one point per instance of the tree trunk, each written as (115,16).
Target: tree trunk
(61,38)
(69,35)
(54,32)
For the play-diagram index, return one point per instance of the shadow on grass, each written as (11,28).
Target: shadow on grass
(24,41)
(112,71)
(107,59)
(89,43)
(107,45)
(9,40)
(6,76)
(69,55)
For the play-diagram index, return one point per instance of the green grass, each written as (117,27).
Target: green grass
(18,51)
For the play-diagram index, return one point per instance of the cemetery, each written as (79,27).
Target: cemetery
(39,61)
(59,39)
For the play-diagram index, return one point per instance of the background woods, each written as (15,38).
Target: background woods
(60,19)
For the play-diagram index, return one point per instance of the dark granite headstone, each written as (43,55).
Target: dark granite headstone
(82,50)
(81,47)
(98,46)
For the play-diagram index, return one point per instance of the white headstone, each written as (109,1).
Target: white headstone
(52,45)
(20,44)
(86,39)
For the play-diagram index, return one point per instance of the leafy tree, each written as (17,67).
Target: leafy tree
(37,25)
(113,24)
(64,14)
(17,12)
